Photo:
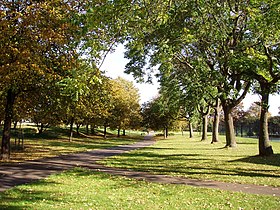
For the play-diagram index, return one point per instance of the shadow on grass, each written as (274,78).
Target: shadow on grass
(32,133)
(46,193)
(273,160)
(194,165)
(24,198)
(90,144)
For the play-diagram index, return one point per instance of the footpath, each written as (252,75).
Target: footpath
(16,174)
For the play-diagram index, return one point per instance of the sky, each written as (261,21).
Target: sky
(114,66)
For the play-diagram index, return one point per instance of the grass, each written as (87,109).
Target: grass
(55,141)
(177,156)
(192,158)
(84,189)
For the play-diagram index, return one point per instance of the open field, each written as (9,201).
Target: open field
(192,158)
(178,156)
(84,189)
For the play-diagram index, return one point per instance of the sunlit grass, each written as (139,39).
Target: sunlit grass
(192,158)
(84,189)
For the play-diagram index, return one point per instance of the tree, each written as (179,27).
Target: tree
(38,44)
(205,37)
(274,126)
(125,102)
(265,30)
(76,89)
(215,130)
(238,114)
(45,107)
(157,115)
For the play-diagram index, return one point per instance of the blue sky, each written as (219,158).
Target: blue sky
(114,66)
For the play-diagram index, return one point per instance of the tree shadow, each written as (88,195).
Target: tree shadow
(273,160)
(177,164)
(23,198)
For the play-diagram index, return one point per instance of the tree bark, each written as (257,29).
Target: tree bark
(215,131)
(241,129)
(105,131)
(191,129)
(71,128)
(119,132)
(6,137)
(87,130)
(265,149)
(204,127)
(230,134)
(92,131)
(15,124)
(77,128)
(165,133)
(41,128)
(204,115)
(123,132)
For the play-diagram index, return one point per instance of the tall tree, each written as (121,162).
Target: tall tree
(204,34)
(265,55)
(37,42)
(125,101)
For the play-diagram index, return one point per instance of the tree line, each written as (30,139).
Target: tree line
(50,54)
(205,54)
(160,117)
(209,54)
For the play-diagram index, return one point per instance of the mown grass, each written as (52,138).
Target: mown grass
(55,141)
(192,158)
(84,189)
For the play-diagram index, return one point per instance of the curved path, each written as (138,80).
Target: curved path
(16,174)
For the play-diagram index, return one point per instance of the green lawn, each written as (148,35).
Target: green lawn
(178,156)
(55,141)
(181,156)
(84,189)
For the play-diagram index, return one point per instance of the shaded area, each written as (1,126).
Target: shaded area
(12,175)
(29,171)
(273,160)
(156,163)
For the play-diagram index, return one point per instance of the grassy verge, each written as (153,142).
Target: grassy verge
(83,189)
(55,142)
(180,156)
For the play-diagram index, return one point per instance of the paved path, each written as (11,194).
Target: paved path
(16,174)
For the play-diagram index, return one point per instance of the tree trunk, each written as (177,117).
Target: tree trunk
(6,137)
(77,128)
(265,149)
(204,127)
(71,128)
(87,130)
(123,133)
(15,124)
(204,115)
(230,137)
(191,129)
(241,129)
(165,133)
(92,131)
(215,131)
(119,132)
(41,128)
(105,131)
